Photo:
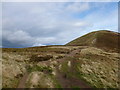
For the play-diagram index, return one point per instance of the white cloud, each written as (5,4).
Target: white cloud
(23,38)
(43,41)
(38,44)
(18,36)
(82,24)
(33,24)
(104,20)
(78,7)
(60,0)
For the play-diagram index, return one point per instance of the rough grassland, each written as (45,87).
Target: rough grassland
(92,65)
(87,62)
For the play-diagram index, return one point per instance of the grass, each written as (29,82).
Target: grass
(11,83)
(102,40)
(55,81)
(37,58)
(75,72)
(64,67)
(93,78)
(83,41)
(39,68)
(36,49)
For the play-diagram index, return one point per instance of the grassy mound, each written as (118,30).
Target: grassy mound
(102,39)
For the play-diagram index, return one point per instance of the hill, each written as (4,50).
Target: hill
(82,65)
(102,39)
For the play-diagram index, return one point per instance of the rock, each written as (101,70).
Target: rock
(69,63)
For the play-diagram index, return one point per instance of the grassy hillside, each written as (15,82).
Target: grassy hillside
(64,66)
(103,39)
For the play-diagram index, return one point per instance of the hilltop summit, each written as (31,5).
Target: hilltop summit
(102,39)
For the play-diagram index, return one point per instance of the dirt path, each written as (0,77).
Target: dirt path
(23,81)
(61,77)
(71,81)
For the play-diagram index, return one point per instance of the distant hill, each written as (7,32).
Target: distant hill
(101,39)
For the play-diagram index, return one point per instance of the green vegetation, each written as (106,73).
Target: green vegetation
(95,62)
(75,88)
(101,39)
(39,68)
(55,81)
(38,58)
(36,49)
(12,83)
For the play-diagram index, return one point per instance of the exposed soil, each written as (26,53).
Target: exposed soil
(68,82)
(23,81)
(61,77)
(71,82)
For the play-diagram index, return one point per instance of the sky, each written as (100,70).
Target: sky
(28,24)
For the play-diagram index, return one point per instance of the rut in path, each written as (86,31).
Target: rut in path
(72,81)
(23,81)
(65,82)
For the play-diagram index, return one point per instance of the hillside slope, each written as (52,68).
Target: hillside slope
(102,39)
(65,66)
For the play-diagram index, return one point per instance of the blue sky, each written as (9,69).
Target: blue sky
(41,23)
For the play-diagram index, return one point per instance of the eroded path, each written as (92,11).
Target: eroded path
(71,82)
(68,82)
(23,81)
(61,77)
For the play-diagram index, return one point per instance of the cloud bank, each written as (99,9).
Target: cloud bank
(41,23)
